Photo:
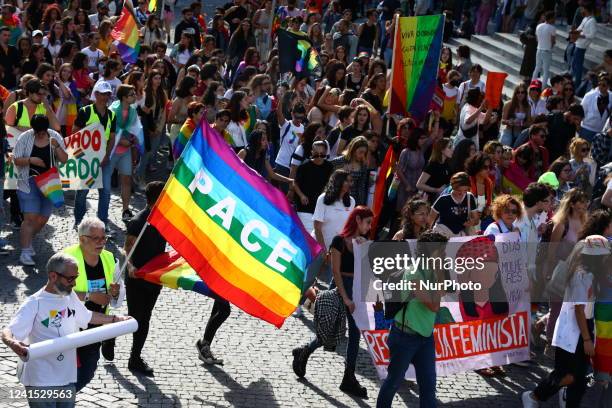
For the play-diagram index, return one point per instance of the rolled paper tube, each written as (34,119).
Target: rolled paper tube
(80,339)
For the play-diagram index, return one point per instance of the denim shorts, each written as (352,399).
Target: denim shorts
(34,202)
(122,162)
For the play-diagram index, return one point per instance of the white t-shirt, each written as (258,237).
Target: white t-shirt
(578,292)
(54,49)
(238,134)
(289,140)
(45,316)
(588,26)
(545,33)
(93,57)
(332,216)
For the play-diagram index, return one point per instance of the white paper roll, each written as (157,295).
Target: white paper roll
(80,339)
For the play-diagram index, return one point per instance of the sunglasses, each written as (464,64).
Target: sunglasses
(319,156)
(97,239)
(69,279)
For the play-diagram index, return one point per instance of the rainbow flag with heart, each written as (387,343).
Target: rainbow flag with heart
(50,186)
(237,231)
(416,55)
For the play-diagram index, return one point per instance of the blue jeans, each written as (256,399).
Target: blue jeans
(352,347)
(80,201)
(65,401)
(577,65)
(88,358)
(405,349)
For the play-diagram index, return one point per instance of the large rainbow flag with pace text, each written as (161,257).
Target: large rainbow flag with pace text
(236,230)
(416,54)
(125,33)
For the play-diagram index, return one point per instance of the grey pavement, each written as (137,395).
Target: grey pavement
(257,370)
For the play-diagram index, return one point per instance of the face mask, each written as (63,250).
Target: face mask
(455,82)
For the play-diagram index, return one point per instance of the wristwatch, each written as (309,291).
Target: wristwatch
(86,296)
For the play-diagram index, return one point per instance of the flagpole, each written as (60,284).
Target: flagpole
(129,255)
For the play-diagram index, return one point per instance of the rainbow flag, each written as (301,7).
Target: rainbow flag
(50,186)
(296,54)
(183,137)
(416,54)
(125,33)
(65,184)
(237,231)
(171,270)
(603,337)
(90,182)
(386,170)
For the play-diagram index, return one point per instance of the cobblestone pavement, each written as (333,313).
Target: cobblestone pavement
(257,370)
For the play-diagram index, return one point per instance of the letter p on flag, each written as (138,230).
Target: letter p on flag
(494,87)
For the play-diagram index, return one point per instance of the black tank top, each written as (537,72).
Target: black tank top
(366,39)
(43,153)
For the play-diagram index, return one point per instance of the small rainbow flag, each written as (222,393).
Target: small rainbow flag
(603,337)
(172,270)
(183,137)
(237,231)
(416,55)
(49,185)
(90,182)
(78,153)
(296,54)
(65,184)
(125,33)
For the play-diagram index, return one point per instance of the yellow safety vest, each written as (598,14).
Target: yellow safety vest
(22,119)
(108,264)
(94,118)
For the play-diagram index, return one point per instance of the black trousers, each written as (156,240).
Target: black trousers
(576,364)
(141,298)
(220,312)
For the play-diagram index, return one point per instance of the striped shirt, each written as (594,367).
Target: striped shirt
(23,148)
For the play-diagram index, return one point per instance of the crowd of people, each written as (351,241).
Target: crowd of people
(539,164)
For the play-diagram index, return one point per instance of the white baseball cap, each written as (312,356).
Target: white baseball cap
(102,87)
(596,245)
(37,32)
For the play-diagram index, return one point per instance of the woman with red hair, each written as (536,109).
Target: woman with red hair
(357,226)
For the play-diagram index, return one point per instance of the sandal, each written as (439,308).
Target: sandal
(486,372)
(499,371)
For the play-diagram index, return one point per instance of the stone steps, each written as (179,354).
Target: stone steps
(503,52)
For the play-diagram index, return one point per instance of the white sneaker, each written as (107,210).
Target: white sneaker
(528,401)
(26,259)
(563,397)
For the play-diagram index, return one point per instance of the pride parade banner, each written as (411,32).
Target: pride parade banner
(10,178)
(463,341)
(85,148)
(416,54)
